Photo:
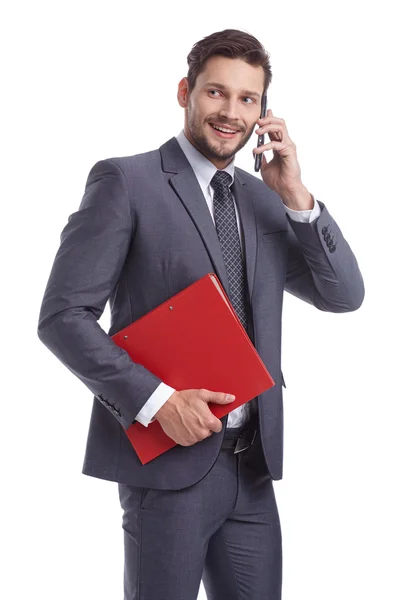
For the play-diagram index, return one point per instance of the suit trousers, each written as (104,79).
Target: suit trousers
(224,531)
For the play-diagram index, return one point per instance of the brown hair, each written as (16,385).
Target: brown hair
(232,43)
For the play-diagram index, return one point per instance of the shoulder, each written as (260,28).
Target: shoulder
(263,197)
(128,168)
(138,162)
(250,179)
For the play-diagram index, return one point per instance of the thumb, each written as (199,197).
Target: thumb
(219,397)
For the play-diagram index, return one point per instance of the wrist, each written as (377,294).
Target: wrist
(164,408)
(299,199)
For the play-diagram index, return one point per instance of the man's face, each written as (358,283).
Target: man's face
(228,94)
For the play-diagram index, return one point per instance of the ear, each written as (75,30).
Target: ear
(182,94)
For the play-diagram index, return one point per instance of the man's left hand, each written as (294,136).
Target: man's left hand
(282,174)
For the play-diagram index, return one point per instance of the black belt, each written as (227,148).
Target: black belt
(239,440)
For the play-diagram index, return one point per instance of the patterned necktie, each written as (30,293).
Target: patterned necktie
(228,235)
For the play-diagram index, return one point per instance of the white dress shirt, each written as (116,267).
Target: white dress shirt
(205,170)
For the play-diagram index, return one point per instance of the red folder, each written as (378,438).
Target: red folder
(193,340)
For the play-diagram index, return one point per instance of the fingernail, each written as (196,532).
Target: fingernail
(230,397)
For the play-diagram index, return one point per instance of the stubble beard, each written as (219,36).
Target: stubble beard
(213,150)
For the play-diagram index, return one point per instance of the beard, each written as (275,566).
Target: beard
(215,149)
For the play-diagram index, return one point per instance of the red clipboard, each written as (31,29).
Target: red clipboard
(193,340)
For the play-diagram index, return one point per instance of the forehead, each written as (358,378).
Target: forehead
(233,73)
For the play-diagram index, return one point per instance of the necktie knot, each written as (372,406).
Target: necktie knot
(221,179)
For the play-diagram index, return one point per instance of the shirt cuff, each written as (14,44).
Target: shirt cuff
(159,397)
(304,216)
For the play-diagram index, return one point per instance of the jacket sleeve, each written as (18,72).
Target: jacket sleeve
(93,248)
(321,268)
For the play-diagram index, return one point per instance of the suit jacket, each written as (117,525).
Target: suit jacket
(141,234)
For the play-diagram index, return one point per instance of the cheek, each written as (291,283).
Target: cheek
(199,115)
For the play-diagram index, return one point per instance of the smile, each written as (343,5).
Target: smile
(223,132)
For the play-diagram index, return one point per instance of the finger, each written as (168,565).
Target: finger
(275,131)
(271,146)
(270,127)
(270,119)
(215,425)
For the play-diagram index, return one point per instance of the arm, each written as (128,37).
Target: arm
(322,269)
(93,248)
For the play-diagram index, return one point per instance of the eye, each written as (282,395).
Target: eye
(252,100)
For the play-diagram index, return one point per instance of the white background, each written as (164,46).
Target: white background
(91,80)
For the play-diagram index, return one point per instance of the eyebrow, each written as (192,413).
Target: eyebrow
(223,87)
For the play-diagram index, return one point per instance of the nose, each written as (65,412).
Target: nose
(229,111)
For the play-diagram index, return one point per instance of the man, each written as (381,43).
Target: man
(148,226)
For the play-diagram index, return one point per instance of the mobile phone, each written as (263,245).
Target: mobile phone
(260,142)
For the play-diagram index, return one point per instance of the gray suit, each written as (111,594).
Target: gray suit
(143,233)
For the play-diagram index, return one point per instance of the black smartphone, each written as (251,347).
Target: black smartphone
(258,157)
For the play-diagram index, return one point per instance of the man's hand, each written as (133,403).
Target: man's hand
(282,174)
(186,418)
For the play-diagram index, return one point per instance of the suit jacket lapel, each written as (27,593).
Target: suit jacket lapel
(186,186)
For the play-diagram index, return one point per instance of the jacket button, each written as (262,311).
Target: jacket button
(324,230)
(327,237)
(332,248)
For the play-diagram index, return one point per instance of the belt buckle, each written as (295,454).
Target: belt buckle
(244,442)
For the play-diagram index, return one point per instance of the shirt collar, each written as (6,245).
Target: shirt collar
(203,168)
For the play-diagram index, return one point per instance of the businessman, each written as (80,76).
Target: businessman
(148,226)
